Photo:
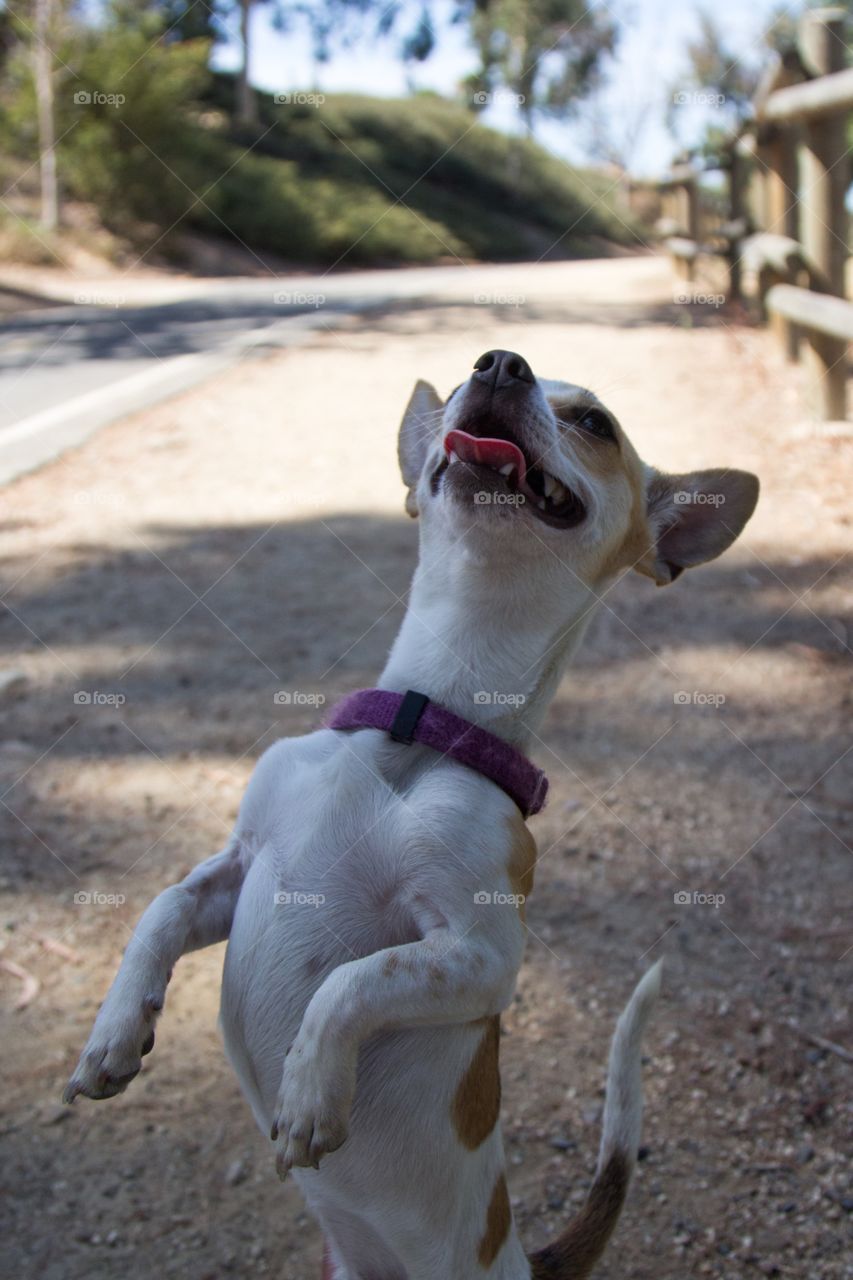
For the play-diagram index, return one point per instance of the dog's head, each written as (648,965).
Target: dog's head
(515,466)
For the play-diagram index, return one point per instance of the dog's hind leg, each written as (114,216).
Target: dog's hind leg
(354,1249)
(193,914)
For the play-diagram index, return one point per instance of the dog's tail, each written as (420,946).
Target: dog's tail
(574,1253)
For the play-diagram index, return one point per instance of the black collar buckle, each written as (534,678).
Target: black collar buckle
(409,713)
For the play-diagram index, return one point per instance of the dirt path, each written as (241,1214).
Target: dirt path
(248,537)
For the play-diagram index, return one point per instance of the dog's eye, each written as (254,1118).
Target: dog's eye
(597,424)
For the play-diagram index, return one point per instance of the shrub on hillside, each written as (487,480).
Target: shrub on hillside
(147,134)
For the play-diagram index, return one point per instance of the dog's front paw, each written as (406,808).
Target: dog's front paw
(113,1054)
(313,1106)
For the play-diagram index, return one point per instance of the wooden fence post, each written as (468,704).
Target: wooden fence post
(783,215)
(824,164)
(737,212)
(688,200)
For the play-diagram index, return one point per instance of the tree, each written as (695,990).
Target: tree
(548,54)
(326,21)
(717,79)
(247,103)
(190,19)
(719,72)
(717,67)
(30,35)
(43,66)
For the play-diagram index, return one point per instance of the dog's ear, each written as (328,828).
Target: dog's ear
(693,518)
(417,431)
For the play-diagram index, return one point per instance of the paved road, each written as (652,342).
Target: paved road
(65,371)
(68,370)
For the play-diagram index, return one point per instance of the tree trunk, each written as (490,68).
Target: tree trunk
(46,128)
(247,103)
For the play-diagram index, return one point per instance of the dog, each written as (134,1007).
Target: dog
(374,889)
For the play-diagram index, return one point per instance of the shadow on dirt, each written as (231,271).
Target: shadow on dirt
(146,685)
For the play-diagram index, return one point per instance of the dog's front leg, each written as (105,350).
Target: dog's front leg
(195,913)
(450,976)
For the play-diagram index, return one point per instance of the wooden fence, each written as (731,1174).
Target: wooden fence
(784,212)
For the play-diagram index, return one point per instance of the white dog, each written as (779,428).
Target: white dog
(373,891)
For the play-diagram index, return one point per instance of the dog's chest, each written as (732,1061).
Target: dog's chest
(359,871)
(362,862)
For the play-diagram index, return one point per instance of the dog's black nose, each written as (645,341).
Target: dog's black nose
(502,369)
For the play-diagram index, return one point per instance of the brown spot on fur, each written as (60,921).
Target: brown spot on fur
(616,466)
(391,965)
(477,1102)
(498,1218)
(573,1254)
(522,860)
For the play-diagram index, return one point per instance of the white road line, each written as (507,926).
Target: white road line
(93,400)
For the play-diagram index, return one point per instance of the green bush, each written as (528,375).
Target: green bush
(147,134)
(385,180)
(293,211)
(132,143)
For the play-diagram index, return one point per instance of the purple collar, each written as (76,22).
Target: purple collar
(411,717)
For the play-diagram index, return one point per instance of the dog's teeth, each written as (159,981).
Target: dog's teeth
(549,484)
(541,504)
(451,457)
(558,494)
(507,469)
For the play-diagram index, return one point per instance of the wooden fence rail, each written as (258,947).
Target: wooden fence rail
(787,179)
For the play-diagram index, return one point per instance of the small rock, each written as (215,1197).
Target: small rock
(236,1172)
(12,683)
(56,1115)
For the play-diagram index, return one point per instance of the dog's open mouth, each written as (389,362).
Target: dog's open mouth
(547,497)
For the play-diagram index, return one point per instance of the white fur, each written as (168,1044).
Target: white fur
(360,962)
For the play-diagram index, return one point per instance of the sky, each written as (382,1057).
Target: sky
(640,79)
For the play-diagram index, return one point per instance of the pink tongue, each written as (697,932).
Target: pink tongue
(488,453)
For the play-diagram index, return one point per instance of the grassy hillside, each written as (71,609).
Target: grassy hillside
(348,180)
(378,180)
